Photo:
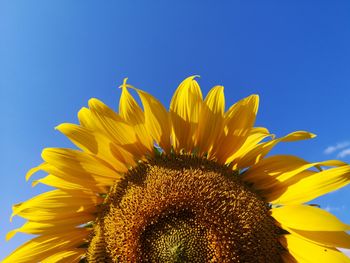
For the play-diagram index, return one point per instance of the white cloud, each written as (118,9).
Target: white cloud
(338,146)
(332,209)
(344,153)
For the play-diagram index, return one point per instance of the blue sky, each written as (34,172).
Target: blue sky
(55,55)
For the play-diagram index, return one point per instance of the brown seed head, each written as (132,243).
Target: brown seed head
(184,209)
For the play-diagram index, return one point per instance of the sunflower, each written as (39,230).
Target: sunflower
(192,184)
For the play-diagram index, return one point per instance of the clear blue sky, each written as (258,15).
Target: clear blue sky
(55,55)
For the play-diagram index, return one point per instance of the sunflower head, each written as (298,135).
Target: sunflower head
(188,184)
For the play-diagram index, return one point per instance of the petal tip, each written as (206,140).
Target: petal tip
(60,126)
(94,102)
(31,172)
(10,234)
(191,78)
(125,85)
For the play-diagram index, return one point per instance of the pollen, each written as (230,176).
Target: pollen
(182,208)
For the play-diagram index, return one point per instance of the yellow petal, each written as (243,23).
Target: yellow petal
(64,179)
(310,187)
(157,120)
(304,251)
(98,144)
(324,238)
(63,184)
(57,204)
(79,164)
(268,169)
(113,126)
(42,247)
(184,111)
(108,121)
(51,227)
(72,255)
(35,170)
(101,124)
(131,112)
(80,136)
(309,218)
(239,121)
(279,169)
(211,119)
(256,135)
(261,150)
(86,119)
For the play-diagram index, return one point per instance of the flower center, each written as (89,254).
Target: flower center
(184,209)
(176,238)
